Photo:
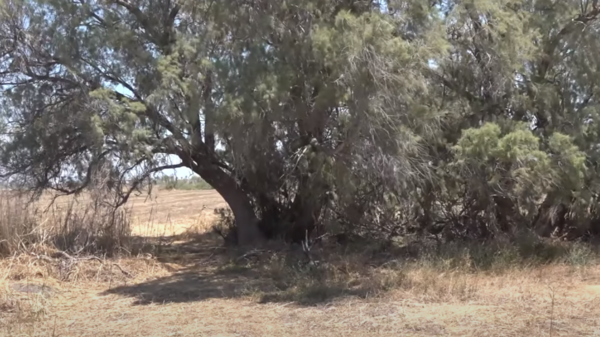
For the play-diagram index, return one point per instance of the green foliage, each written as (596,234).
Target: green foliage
(465,118)
(513,159)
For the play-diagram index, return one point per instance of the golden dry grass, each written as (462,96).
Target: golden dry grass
(426,303)
(190,286)
(164,212)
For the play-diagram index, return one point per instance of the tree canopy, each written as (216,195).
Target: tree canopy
(473,118)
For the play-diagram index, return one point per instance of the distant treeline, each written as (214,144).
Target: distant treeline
(177,183)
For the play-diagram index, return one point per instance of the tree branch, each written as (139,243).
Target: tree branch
(550,48)
(125,197)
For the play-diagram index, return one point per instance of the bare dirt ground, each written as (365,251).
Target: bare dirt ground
(192,287)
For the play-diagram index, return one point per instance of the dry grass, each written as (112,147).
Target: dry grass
(165,212)
(206,296)
(70,222)
(188,285)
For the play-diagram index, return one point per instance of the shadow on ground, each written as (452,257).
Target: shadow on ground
(211,272)
(191,286)
(187,286)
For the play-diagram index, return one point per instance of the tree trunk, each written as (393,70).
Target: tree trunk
(506,213)
(246,221)
(550,216)
(305,210)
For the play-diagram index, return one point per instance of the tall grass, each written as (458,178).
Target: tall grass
(19,227)
(81,225)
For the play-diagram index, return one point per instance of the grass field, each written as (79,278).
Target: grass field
(189,285)
(170,211)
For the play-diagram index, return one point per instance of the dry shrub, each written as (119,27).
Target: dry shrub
(94,227)
(224,225)
(18,224)
(207,223)
(350,276)
(525,250)
(288,275)
(83,226)
(433,274)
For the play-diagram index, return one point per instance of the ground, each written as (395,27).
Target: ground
(192,286)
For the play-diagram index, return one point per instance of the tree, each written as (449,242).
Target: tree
(279,105)
(520,88)
(466,118)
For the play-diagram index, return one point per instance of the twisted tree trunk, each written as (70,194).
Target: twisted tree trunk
(238,200)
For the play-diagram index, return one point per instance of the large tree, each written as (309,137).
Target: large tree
(520,142)
(471,117)
(279,105)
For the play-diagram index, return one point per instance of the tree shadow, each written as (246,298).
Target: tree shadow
(181,249)
(193,286)
(200,275)
(210,272)
(189,286)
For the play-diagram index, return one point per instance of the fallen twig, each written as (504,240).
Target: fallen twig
(250,254)
(122,270)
